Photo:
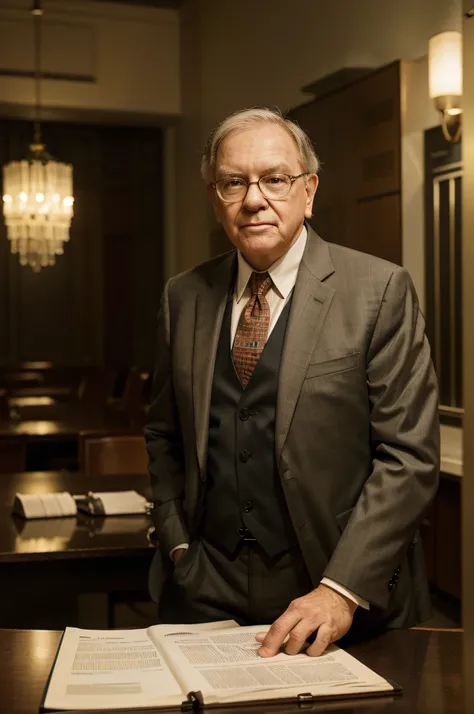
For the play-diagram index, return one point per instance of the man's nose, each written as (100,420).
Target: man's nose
(254,199)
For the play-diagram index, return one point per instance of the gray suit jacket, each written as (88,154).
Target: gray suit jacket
(357,436)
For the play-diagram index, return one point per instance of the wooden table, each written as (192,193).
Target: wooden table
(46,437)
(426,664)
(60,422)
(50,568)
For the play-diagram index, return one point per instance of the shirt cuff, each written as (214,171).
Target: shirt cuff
(181,545)
(347,593)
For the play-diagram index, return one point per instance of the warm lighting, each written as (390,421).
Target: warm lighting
(37,428)
(31,401)
(38,209)
(445,80)
(38,194)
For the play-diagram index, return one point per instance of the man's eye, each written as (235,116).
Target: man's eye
(232,183)
(274,180)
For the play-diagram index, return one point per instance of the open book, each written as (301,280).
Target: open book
(191,666)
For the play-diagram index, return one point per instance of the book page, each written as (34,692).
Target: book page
(225,667)
(111,669)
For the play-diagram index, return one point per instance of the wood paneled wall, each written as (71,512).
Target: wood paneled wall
(98,304)
(356,133)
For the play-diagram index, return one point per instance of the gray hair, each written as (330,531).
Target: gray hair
(245,119)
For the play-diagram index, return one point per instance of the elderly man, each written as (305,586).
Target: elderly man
(293,436)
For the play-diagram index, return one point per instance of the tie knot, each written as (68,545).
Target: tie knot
(260,284)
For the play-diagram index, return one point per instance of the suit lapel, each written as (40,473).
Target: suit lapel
(309,307)
(210,307)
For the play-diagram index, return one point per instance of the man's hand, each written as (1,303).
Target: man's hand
(324,610)
(178,553)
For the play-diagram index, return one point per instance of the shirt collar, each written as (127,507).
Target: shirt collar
(283,271)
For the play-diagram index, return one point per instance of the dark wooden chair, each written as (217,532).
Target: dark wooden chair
(96,386)
(112,454)
(133,400)
(102,455)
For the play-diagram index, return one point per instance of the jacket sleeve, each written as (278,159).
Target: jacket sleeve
(403,397)
(164,443)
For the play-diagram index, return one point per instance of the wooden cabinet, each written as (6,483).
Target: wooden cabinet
(356,134)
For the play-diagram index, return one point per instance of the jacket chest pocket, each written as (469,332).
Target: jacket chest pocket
(333,362)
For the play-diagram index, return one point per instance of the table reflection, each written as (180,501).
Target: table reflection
(36,428)
(45,535)
(31,401)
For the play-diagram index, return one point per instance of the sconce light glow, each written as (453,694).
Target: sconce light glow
(445,64)
(446,80)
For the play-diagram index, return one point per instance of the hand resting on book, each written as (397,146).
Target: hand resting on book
(323,609)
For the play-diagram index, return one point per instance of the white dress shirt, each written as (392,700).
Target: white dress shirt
(283,274)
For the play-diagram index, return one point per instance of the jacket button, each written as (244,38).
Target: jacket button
(244,456)
(244,414)
(248,506)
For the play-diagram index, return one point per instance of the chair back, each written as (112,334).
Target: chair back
(112,455)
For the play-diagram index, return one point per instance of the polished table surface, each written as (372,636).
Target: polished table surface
(75,537)
(61,422)
(63,571)
(427,665)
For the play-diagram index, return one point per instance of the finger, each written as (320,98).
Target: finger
(298,636)
(275,636)
(323,639)
(260,636)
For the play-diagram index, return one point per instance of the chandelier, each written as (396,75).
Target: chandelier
(38,198)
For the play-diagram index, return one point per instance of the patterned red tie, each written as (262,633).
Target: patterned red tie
(252,329)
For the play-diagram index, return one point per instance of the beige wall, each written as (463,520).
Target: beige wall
(264,52)
(132,53)
(418,114)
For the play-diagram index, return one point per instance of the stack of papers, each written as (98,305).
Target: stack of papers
(116,503)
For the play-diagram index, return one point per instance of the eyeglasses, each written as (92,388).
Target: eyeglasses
(274,187)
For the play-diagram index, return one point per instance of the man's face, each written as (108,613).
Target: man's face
(262,229)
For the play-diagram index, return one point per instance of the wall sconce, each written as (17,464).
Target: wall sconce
(445,79)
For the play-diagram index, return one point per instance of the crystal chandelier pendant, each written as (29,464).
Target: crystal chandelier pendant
(38,207)
(37,192)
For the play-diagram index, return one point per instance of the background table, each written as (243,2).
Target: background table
(426,664)
(67,571)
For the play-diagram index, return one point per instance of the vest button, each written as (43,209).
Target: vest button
(244,456)
(248,506)
(244,414)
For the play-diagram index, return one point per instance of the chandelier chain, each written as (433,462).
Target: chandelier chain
(37,16)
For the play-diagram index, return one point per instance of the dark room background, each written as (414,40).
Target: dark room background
(98,304)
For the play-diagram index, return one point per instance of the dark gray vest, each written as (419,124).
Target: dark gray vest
(243,485)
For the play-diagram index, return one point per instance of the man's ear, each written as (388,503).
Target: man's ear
(311,188)
(212,196)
